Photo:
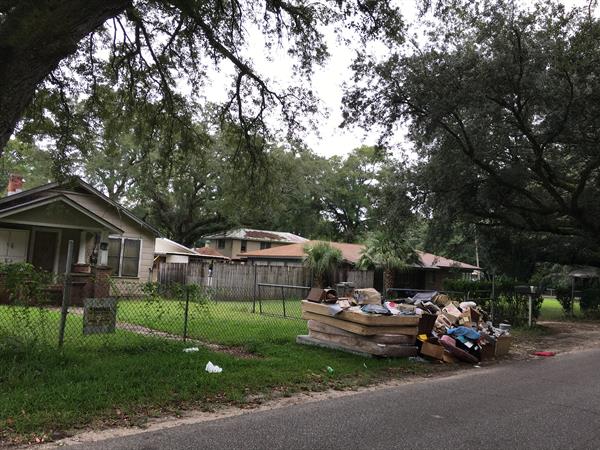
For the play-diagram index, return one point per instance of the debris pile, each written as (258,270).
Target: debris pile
(428,323)
(450,331)
(359,324)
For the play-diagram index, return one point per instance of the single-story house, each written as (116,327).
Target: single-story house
(428,273)
(166,250)
(233,243)
(37,224)
(431,271)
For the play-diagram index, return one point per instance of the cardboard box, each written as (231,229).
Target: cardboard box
(432,350)
(468,317)
(448,358)
(496,349)
(503,344)
(319,295)
(442,322)
(441,300)
(452,313)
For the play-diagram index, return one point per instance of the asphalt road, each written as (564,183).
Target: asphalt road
(552,403)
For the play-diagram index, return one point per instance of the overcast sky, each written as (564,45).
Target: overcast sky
(328,81)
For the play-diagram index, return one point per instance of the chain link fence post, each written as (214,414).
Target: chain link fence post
(186,313)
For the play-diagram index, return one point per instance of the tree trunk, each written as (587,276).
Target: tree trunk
(388,281)
(35,35)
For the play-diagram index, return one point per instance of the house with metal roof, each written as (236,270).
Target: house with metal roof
(232,243)
(211,254)
(429,272)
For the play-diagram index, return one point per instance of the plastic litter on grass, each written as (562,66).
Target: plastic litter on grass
(212,368)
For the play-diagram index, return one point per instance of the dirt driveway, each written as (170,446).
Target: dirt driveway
(559,337)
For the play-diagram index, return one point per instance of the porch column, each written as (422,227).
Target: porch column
(82,244)
(103,252)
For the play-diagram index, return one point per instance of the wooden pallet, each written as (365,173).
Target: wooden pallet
(365,330)
(398,339)
(363,348)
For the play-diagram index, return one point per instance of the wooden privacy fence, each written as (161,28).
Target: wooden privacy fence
(245,282)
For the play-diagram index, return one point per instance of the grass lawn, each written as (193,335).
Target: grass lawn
(226,322)
(124,377)
(551,310)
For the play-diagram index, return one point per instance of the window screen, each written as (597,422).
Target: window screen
(131,258)
(114,255)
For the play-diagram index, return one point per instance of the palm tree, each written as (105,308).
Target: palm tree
(321,259)
(389,254)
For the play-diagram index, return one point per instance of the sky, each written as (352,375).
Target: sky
(328,139)
(327,83)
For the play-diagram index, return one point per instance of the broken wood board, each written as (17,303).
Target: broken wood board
(357,328)
(399,339)
(307,340)
(362,318)
(364,345)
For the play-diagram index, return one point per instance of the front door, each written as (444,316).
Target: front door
(44,250)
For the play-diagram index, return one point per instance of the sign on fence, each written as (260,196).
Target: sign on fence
(99,315)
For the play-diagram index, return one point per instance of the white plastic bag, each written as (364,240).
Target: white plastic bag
(191,349)
(211,368)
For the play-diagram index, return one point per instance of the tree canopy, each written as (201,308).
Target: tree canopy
(502,105)
(54,51)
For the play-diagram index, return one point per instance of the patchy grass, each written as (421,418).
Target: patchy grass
(552,310)
(123,378)
(526,333)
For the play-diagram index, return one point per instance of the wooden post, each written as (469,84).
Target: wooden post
(572,294)
(493,295)
(254,291)
(66,293)
(283,300)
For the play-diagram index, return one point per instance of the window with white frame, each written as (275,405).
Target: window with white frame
(124,256)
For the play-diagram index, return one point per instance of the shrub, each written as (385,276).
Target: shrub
(25,284)
(563,295)
(590,302)
(507,305)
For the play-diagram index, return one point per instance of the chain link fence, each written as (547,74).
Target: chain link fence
(142,313)
(505,304)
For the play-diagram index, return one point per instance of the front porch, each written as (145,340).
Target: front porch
(39,232)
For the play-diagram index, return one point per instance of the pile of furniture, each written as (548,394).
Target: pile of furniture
(343,324)
(429,324)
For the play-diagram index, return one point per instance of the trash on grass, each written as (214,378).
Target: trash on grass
(211,368)
(191,349)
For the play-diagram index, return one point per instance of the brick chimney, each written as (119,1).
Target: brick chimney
(15,184)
